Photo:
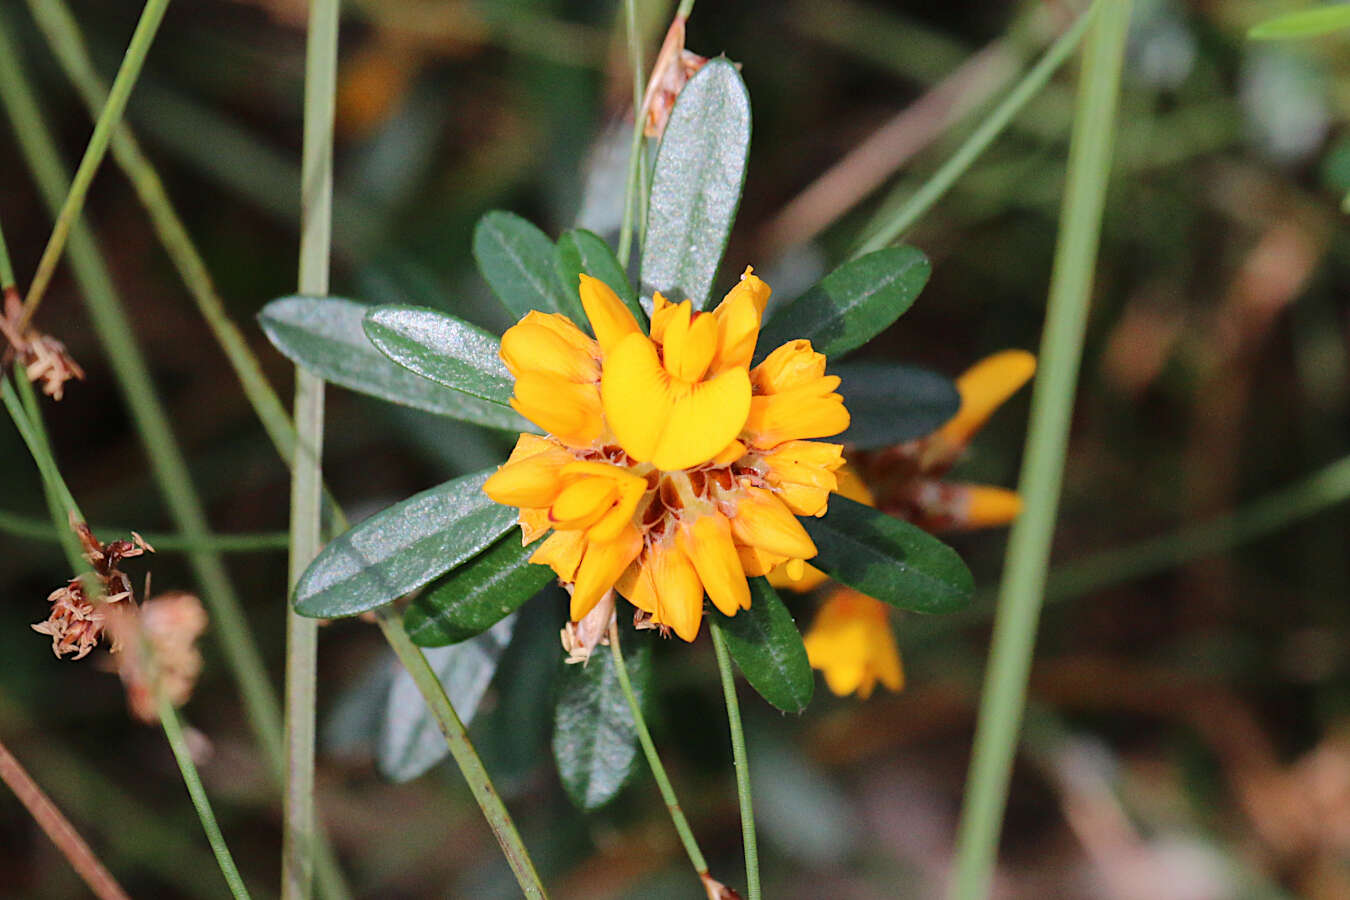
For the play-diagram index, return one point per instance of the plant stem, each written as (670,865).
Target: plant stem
(173,730)
(302,634)
(6,268)
(63,36)
(35,438)
(990,128)
(630,198)
(41,530)
(137,387)
(1028,552)
(60,502)
(686,9)
(457,738)
(57,827)
(741,761)
(653,760)
(151,15)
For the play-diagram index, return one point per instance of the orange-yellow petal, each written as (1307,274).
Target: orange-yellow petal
(758,562)
(627,491)
(984,387)
(791,365)
(762,521)
(533,347)
(983,506)
(738,320)
(679,592)
(533,525)
(852,643)
(610,319)
(689,344)
(562,551)
(568,411)
(802,413)
(531,481)
(809,579)
(636,394)
(709,546)
(703,421)
(602,565)
(582,503)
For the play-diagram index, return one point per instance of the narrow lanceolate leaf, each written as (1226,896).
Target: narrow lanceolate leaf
(478,594)
(516,260)
(696,185)
(889,559)
(325,335)
(852,304)
(449,351)
(1304,23)
(594,738)
(401,549)
(890,404)
(410,741)
(768,649)
(581,251)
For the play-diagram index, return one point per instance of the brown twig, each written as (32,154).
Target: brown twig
(59,829)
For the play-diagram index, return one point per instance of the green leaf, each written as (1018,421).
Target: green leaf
(476,595)
(852,304)
(581,251)
(516,260)
(696,185)
(768,649)
(410,741)
(1304,23)
(325,335)
(890,404)
(594,738)
(889,559)
(401,548)
(449,351)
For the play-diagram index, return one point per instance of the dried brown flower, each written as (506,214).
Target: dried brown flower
(77,622)
(673,69)
(159,639)
(43,357)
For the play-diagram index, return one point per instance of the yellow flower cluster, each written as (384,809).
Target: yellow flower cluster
(670,468)
(851,640)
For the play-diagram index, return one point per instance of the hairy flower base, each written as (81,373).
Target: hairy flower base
(671,468)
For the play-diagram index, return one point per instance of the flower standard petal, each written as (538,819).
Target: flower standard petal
(610,319)
(636,394)
(704,421)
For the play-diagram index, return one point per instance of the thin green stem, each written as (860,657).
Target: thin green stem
(173,730)
(1028,554)
(653,760)
(137,387)
(64,38)
(457,739)
(151,15)
(302,634)
(36,442)
(990,128)
(741,761)
(631,199)
(60,502)
(6,267)
(37,529)
(686,9)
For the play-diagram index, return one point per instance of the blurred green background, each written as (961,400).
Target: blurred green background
(1190,730)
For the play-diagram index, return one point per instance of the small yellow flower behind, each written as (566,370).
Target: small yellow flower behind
(851,642)
(671,468)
